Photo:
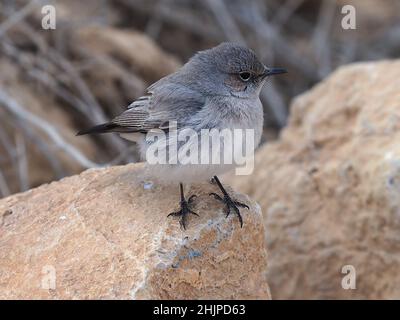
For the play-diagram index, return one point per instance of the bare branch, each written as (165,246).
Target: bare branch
(285,12)
(4,188)
(18,16)
(225,20)
(42,146)
(22,162)
(321,37)
(14,107)
(176,16)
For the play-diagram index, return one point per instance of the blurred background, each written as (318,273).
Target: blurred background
(104,53)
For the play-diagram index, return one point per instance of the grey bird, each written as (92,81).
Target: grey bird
(217,88)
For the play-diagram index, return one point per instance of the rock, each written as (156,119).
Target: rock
(329,188)
(101,234)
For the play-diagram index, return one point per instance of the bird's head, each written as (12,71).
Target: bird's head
(230,69)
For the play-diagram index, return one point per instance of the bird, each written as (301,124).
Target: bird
(218,88)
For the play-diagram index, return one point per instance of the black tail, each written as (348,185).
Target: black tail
(101,128)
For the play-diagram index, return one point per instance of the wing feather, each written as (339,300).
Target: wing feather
(165,101)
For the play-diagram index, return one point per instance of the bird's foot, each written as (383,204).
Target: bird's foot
(184,211)
(230,204)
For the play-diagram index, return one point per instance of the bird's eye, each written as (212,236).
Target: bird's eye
(245,76)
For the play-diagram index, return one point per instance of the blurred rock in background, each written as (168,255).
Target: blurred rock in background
(329,188)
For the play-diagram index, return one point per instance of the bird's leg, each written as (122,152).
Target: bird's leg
(185,208)
(230,204)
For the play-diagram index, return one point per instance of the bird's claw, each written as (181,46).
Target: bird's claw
(230,204)
(184,211)
(242,205)
(191,198)
(216,196)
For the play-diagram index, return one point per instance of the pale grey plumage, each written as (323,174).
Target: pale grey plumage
(207,92)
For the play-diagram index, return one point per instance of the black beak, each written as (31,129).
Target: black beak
(273,71)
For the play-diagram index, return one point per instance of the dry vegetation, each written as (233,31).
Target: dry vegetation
(103,54)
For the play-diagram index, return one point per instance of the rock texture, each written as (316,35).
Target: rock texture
(104,234)
(329,188)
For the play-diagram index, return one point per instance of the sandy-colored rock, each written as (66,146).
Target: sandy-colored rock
(103,235)
(329,188)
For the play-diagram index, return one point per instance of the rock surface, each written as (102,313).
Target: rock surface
(101,234)
(329,188)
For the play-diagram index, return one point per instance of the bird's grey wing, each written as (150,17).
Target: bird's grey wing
(164,102)
(137,117)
